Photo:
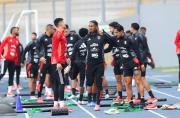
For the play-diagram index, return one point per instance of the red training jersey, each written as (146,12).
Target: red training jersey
(177,42)
(58,48)
(9,47)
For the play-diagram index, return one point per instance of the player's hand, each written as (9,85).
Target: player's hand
(68,61)
(142,67)
(43,60)
(59,66)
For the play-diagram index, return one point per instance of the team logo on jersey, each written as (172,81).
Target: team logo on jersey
(46,39)
(71,38)
(125,42)
(89,39)
(99,37)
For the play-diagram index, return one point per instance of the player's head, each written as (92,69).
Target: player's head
(59,24)
(66,29)
(143,30)
(112,25)
(93,26)
(119,31)
(33,36)
(49,29)
(134,27)
(83,32)
(14,31)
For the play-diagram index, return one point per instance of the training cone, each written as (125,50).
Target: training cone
(18,103)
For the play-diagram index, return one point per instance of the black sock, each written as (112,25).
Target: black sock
(151,94)
(139,96)
(99,97)
(89,97)
(94,97)
(120,94)
(32,93)
(80,97)
(73,91)
(142,99)
(107,91)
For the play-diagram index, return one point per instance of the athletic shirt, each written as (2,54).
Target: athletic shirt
(10,46)
(126,52)
(116,53)
(32,49)
(79,52)
(137,44)
(72,38)
(44,46)
(95,47)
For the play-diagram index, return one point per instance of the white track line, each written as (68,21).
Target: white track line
(158,79)
(157,114)
(85,110)
(166,94)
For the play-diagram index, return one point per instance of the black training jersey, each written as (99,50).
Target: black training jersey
(44,46)
(137,42)
(20,54)
(126,52)
(95,47)
(79,52)
(72,38)
(32,49)
(116,52)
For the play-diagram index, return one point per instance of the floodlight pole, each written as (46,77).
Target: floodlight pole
(138,11)
(53,9)
(29,8)
(103,11)
(68,12)
(4,16)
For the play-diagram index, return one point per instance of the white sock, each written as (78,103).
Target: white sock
(9,89)
(61,103)
(55,103)
(49,91)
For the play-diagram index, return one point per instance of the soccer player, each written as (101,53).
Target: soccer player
(9,53)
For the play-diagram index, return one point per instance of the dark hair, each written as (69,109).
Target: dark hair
(128,32)
(83,32)
(135,26)
(57,20)
(12,28)
(113,24)
(34,33)
(94,22)
(119,28)
(67,26)
(144,28)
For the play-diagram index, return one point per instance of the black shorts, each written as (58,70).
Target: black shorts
(32,70)
(143,73)
(46,68)
(78,68)
(55,75)
(129,72)
(94,72)
(118,70)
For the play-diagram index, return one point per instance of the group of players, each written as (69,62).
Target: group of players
(60,54)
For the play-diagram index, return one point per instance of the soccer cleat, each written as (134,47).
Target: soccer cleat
(68,88)
(56,106)
(150,106)
(136,101)
(152,100)
(72,97)
(66,107)
(97,107)
(126,100)
(117,100)
(19,87)
(40,100)
(10,94)
(82,102)
(106,96)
